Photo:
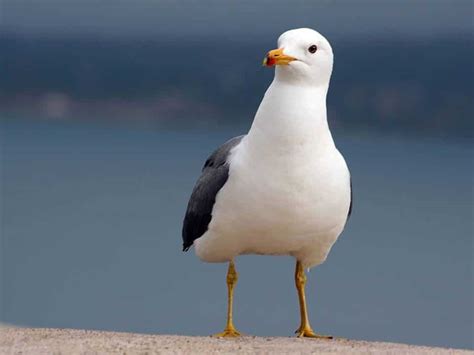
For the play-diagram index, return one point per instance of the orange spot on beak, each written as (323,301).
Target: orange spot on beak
(269,62)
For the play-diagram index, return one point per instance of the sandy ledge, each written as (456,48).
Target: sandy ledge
(69,341)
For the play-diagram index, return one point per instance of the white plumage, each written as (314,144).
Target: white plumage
(288,189)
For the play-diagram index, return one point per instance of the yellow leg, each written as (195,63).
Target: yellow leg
(232,278)
(305,328)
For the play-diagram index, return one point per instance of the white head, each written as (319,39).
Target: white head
(303,56)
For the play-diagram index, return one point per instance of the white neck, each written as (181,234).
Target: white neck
(291,117)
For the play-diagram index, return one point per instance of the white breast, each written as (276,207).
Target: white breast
(287,193)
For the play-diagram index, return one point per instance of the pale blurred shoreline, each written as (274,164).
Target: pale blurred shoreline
(385,83)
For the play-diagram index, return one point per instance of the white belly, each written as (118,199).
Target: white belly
(283,204)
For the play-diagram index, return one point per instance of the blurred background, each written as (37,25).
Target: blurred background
(108,110)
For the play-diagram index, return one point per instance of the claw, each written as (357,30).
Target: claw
(228,333)
(309,333)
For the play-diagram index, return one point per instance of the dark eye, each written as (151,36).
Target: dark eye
(313,49)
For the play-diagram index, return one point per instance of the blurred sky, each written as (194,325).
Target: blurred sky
(237,19)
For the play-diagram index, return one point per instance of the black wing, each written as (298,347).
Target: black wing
(214,175)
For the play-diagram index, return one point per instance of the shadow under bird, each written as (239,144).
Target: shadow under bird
(283,188)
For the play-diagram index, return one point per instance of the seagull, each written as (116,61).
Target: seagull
(283,188)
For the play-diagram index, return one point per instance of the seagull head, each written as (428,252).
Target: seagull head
(303,56)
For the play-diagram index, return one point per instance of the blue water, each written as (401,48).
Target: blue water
(90,237)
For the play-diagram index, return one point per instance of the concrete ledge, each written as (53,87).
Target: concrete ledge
(69,341)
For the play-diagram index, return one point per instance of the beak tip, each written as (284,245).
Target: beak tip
(268,62)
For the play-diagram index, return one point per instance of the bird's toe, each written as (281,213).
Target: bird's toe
(228,333)
(309,333)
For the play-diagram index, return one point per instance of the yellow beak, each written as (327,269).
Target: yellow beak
(277,57)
